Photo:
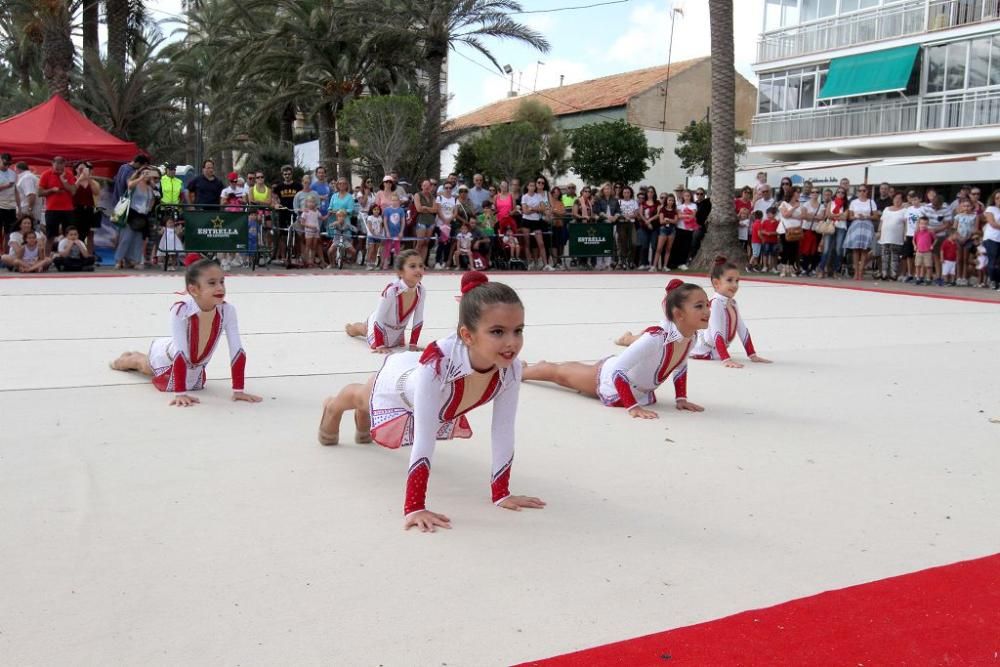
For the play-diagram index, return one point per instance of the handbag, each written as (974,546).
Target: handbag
(825,228)
(793,234)
(120,212)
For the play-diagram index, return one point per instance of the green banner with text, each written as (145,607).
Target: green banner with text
(215,231)
(591,239)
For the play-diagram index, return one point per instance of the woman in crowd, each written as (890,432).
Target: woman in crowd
(534,207)
(142,197)
(608,209)
(833,244)
(811,213)
(863,213)
(790,216)
(557,213)
(648,226)
(687,223)
(991,239)
(626,227)
(667,232)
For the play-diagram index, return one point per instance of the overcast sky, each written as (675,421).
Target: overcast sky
(586,43)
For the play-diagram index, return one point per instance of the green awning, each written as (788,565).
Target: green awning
(884,71)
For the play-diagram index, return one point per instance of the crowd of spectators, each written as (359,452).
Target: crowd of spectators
(906,234)
(911,235)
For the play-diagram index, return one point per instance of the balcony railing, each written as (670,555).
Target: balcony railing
(877,24)
(961,110)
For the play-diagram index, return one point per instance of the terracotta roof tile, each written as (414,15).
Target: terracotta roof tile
(604,93)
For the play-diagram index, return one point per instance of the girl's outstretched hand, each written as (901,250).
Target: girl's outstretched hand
(732,363)
(517,502)
(643,413)
(249,398)
(757,359)
(426,521)
(416,348)
(184,401)
(684,404)
(381,350)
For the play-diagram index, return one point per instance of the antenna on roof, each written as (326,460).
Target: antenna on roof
(561,77)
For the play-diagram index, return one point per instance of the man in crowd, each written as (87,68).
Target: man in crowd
(704,204)
(125,173)
(10,200)
(452,180)
(57,185)
(477,193)
(883,199)
(569,196)
(27,190)
(205,189)
(171,187)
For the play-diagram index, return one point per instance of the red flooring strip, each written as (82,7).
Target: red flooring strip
(946,615)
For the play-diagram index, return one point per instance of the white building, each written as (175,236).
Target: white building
(904,91)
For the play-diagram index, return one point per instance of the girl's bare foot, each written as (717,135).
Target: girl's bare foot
(327,437)
(362,435)
(625,339)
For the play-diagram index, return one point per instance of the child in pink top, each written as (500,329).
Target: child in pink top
(923,242)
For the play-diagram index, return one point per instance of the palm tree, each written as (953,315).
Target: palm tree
(438,26)
(722,234)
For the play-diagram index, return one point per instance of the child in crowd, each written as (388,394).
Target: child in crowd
(769,239)
(462,257)
(511,244)
(401,300)
(949,258)
(170,244)
(443,245)
(31,257)
(923,244)
(913,213)
(72,253)
(395,219)
(416,399)
(309,221)
(341,233)
(16,240)
(761,188)
(487,229)
(966,224)
(197,323)
(755,241)
(982,260)
(725,322)
(375,228)
(629,380)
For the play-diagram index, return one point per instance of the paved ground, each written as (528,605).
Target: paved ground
(135,533)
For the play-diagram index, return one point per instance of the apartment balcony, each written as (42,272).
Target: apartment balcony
(846,121)
(873,25)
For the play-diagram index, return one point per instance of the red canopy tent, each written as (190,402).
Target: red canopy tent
(56,128)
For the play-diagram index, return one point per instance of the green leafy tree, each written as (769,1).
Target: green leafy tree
(554,144)
(611,151)
(383,129)
(694,147)
(437,26)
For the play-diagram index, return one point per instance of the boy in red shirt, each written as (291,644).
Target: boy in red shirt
(57,185)
(949,258)
(769,238)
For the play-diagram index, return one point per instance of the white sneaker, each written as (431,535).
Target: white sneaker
(548,267)
(682,267)
(962,282)
(652,269)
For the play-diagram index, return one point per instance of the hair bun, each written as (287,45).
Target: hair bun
(191,258)
(473,279)
(720,260)
(674,284)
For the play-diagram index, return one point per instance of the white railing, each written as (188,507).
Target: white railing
(970,109)
(874,25)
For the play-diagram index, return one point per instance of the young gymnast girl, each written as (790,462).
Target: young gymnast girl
(401,300)
(725,322)
(420,398)
(630,379)
(177,364)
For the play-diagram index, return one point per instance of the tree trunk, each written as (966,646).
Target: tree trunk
(722,234)
(432,117)
(91,41)
(117,19)
(191,153)
(286,130)
(57,51)
(327,137)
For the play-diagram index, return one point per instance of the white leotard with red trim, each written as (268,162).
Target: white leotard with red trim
(387,325)
(724,324)
(630,379)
